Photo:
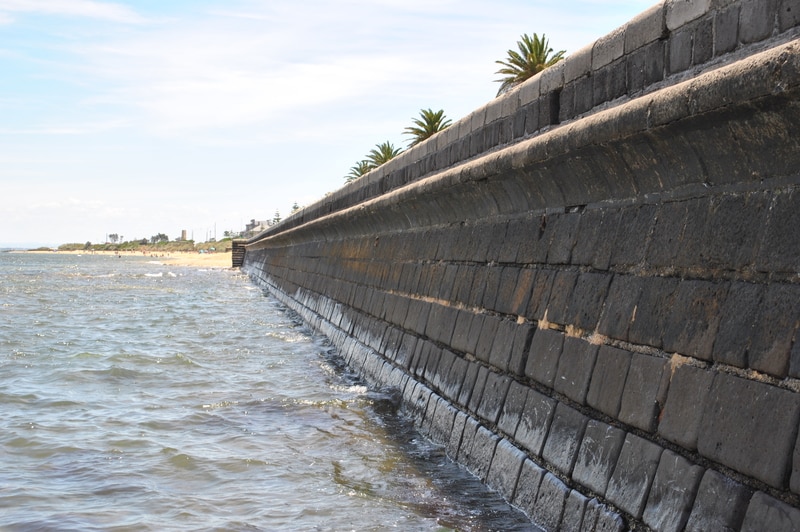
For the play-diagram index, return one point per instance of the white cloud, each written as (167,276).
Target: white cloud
(78,8)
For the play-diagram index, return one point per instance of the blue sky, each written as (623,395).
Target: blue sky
(152,116)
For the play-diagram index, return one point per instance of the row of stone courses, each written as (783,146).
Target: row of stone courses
(566,455)
(669,39)
(740,323)
(606,464)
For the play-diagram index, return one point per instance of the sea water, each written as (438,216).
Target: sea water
(141,396)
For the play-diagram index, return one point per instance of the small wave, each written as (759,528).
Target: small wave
(159,274)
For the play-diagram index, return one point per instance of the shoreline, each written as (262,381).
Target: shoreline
(174,258)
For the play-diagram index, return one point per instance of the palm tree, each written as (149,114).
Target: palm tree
(382,153)
(534,56)
(360,168)
(427,125)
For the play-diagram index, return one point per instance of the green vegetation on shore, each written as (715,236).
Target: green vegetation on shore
(146,246)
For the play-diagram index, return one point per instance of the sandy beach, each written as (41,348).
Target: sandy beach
(181,258)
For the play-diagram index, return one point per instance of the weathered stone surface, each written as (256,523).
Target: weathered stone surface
(720,504)
(574,508)
(692,326)
(779,318)
(454,442)
(534,423)
(633,475)
(550,503)
(564,439)
(575,367)
(512,408)
(505,469)
(644,391)
(767,513)
(530,477)
(608,380)
(598,455)
(750,427)
(672,494)
(587,300)
(543,357)
(620,306)
(680,421)
(494,395)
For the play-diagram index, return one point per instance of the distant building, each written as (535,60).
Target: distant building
(255,227)
(183,235)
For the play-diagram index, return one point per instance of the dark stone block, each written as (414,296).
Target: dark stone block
(504,303)
(530,477)
(454,442)
(419,310)
(522,292)
(550,503)
(512,408)
(720,504)
(494,395)
(598,455)
(738,316)
(479,458)
(488,332)
(703,41)
(655,58)
(608,380)
(468,386)
(587,235)
(584,97)
(750,427)
(726,29)
(560,295)
(523,337)
(477,389)
(432,362)
(566,108)
(587,300)
(461,331)
(680,50)
(502,345)
(692,326)
(474,333)
(564,439)
(633,475)
(734,228)
(756,20)
(493,274)
(519,122)
(665,243)
(654,306)
(789,15)
(505,469)
(543,357)
(775,329)
(439,379)
(767,513)
(575,367)
(451,384)
(534,423)
(633,230)
(608,521)
(620,306)
(680,420)
(564,229)
(540,294)
(672,495)
(574,508)
(644,392)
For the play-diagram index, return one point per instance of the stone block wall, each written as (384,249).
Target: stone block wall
(599,318)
